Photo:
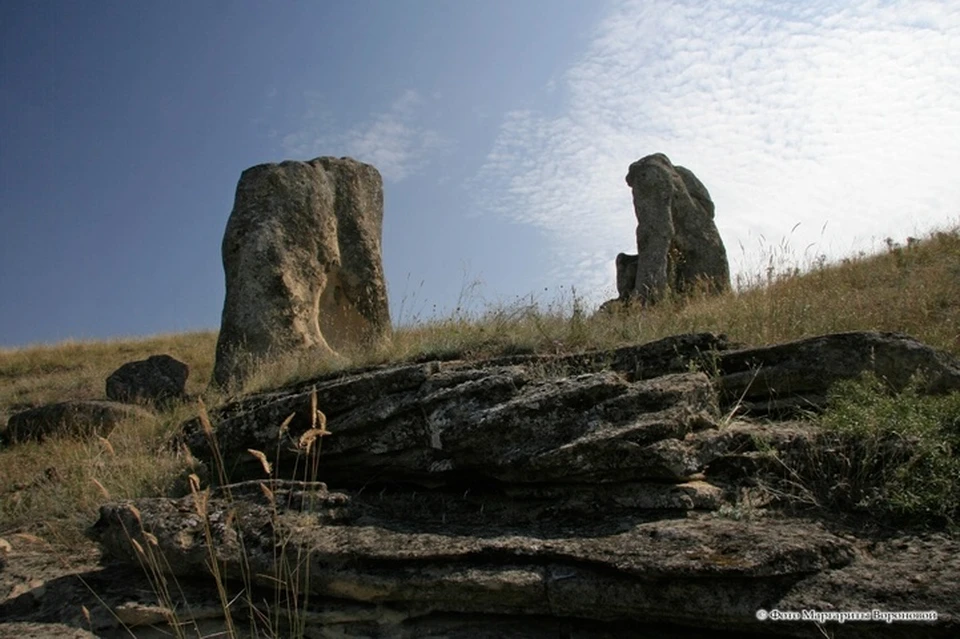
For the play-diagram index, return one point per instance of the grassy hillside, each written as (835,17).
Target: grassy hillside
(78,370)
(913,289)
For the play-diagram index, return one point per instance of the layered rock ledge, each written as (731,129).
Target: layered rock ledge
(584,495)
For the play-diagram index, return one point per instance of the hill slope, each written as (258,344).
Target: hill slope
(914,289)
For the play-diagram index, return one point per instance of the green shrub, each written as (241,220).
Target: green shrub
(894,454)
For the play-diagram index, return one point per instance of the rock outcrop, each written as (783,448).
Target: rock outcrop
(579,493)
(75,418)
(302,259)
(678,245)
(795,376)
(157,380)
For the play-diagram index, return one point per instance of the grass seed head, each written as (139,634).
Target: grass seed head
(188,457)
(101,487)
(309,437)
(285,426)
(136,514)
(267,468)
(268,493)
(107,446)
(204,418)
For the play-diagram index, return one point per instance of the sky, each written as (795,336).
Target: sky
(503,130)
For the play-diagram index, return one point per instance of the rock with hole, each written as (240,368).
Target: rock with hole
(303,266)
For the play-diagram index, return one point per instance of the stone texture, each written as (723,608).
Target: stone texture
(5,549)
(25,630)
(157,380)
(501,419)
(547,417)
(666,570)
(78,418)
(41,597)
(678,245)
(626,275)
(302,259)
(798,375)
(581,493)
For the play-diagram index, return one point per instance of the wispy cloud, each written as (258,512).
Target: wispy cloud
(393,141)
(818,112)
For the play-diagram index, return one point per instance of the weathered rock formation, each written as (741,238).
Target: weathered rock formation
(159,379)
(678,245)
(302,259)
(534,495)
(75,418)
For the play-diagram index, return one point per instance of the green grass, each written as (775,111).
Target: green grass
(895,456)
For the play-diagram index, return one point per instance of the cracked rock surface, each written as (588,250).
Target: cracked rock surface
(526,496)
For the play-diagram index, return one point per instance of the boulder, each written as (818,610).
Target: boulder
(626,275)
(157,380)
(678,245)
(302,259)
(77,418)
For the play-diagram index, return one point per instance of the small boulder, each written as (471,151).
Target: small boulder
(156,380)
(80,418)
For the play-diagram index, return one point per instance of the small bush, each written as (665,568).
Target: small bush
(891,455)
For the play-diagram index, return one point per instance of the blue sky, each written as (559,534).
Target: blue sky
(503,130)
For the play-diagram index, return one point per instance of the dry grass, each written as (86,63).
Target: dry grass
(54,489)
(242,609)
(913,289)
(36,375)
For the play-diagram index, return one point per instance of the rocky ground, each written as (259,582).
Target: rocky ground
(616,493)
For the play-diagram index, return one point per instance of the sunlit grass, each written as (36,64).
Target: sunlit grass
(911,289)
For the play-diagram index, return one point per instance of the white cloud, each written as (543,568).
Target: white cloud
(393,140)
(812,113)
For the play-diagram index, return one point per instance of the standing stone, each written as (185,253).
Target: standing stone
(678,245)
(302,259)
(157,379)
